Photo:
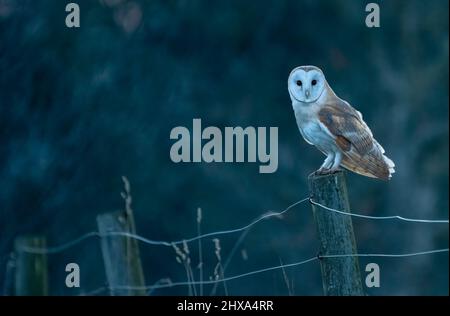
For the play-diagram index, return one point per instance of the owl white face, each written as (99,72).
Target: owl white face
(306,84)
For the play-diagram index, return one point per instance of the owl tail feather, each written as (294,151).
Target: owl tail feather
(374,164)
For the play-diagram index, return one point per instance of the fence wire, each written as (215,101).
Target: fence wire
(406,219)
(245,229)
(56,249)
(168,283)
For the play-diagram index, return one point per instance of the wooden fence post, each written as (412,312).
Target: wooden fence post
(31,272)
(340,276)
(8,285)
(120,254)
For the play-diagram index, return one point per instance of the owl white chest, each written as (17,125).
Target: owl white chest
(312,130)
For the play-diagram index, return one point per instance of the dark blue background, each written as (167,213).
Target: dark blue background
(79,108)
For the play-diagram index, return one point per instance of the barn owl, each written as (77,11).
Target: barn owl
(335,127)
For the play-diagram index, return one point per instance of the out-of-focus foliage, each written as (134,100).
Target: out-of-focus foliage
(79,108)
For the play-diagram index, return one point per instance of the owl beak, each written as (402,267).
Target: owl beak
(307,93)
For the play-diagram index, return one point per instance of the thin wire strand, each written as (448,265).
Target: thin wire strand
(217,233)
(387,255)
(160,286)
(80,239)
(230,231)
(76,241)
(56,249)
(430,221)
(281,266)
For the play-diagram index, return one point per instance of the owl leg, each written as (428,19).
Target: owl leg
(337,162)
(326,164)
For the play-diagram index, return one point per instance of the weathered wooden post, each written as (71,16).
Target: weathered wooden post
(120,254)
(8,285)
(31,272)
(341,275)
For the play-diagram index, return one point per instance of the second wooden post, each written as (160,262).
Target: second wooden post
(121,254)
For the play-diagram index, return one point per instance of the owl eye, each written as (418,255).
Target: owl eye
(314,82)
(299,83)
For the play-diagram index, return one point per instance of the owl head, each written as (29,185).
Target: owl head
(306,84)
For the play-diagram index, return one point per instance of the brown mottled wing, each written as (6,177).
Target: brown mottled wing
(345,122)
(361,153)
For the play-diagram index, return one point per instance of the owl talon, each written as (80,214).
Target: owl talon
(321,171)
(334,170)
(324,171)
